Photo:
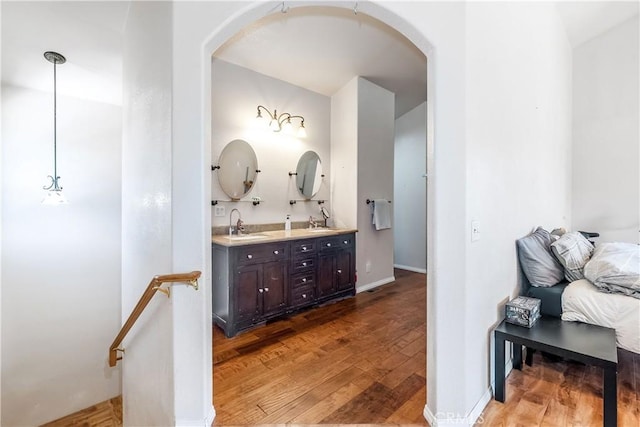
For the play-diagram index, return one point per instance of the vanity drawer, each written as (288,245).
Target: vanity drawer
(336,242)
(251,254)
(302,296)
(303,248)
(303,264)
(303,279)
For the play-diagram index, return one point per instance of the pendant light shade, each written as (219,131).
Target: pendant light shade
(54,194)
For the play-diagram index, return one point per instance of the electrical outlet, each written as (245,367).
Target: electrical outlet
(475,231)
(368,267)
(218,211)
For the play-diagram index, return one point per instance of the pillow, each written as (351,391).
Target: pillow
(573,251)
(538,263)
(556,233)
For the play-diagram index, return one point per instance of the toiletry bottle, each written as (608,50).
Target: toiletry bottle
(287,223)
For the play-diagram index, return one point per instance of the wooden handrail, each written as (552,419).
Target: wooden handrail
(154,286)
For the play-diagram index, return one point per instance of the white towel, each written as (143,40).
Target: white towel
(381,214)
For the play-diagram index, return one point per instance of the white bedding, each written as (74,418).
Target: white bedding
(582,302)
(615,268)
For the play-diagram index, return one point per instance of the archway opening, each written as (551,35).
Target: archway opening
(252,15)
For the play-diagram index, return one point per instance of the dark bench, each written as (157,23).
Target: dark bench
(589,344)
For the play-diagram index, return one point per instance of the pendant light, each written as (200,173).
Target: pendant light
(54,194)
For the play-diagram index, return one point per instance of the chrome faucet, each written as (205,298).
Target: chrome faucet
(313,223)
(239,224)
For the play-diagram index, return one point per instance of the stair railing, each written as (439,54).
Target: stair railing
(190,279)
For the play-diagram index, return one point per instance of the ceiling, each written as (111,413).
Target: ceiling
(88,34)
(320,49)
(586,20)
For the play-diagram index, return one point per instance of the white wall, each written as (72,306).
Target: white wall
(606,156)
(410,190)
(376,114)
(236,93)
(344,155)
(61,264)
(518,125)
(191,190)
(1,222)
(362,126)
(147,366)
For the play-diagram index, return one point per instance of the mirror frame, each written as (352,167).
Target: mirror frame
(301,175)
(237,160)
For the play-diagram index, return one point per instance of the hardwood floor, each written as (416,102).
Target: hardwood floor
(362,360)
(103,414)
(358,360)
(559,393)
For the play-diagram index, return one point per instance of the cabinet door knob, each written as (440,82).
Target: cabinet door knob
(266,289)
(346,242)
(328,245)
(261,290)
(339,271)
(304,295)
(304,248)
(304,264)
(249,256)
(276,252)
(304,279)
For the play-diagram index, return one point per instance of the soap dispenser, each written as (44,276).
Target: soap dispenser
(287,223)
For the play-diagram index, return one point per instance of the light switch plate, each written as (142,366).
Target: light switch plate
(218,211)
(475,231)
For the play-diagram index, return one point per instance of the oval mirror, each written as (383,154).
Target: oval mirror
(238,169)
(309,174)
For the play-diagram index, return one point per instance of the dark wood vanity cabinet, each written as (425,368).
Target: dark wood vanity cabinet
(336,265)
(254,283)
(302,286)
(259,274)
(260,291)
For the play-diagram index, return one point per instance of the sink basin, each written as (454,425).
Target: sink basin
(246,237)
(319,230)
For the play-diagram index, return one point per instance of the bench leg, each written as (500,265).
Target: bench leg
(529,358)
(499,368)
(517,357)
(610,397)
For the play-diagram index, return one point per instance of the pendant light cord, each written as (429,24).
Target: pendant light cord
(55,129)
(55,58)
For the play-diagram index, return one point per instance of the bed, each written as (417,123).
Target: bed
(555,274)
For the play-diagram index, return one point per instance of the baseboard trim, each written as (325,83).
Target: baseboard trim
(414,269)
(374,285)
(473,417)
(210,417)
(206,422)
(476,413)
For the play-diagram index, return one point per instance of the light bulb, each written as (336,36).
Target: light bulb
(288,127)
(54,198)
(302,132)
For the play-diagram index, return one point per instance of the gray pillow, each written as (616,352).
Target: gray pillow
(573,251)
(538,263)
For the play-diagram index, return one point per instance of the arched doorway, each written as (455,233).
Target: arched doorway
(256,11)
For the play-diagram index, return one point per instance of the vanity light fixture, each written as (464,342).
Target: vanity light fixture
(54,194)
(282,121)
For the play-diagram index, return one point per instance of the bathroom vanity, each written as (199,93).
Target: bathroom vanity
(259,277)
